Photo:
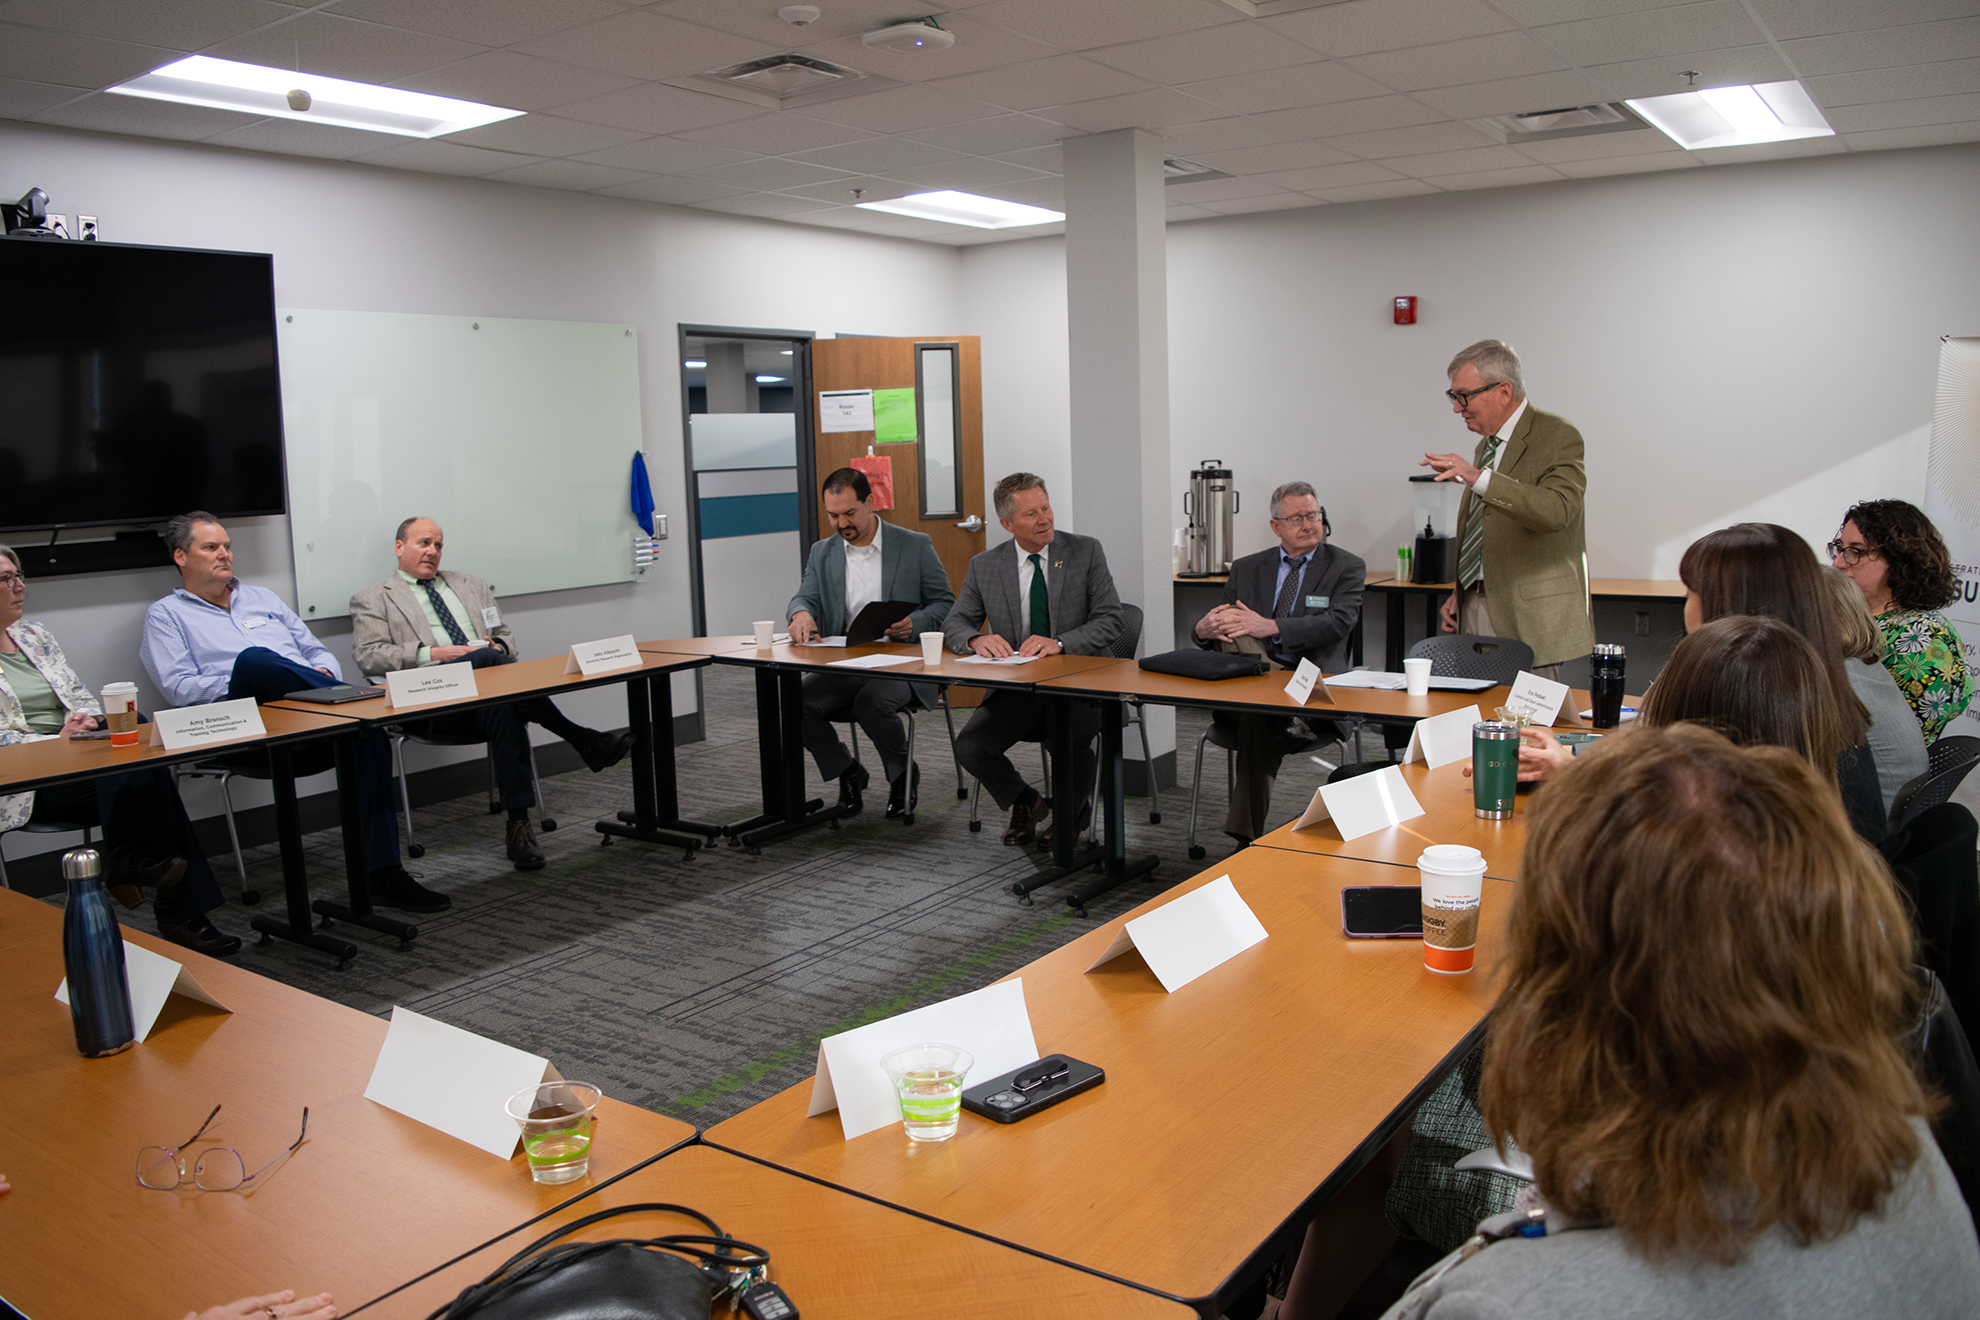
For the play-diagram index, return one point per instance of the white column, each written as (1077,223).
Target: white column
(1117,296)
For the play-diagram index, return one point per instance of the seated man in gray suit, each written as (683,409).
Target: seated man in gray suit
(1297,601)
(421,616)
(864,561)
(1043,592)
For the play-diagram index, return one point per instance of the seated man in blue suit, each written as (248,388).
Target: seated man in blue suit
(865,560)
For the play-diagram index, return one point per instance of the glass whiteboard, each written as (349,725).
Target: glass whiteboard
(516,437)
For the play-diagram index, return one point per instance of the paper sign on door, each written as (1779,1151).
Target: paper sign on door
(1183,939)
(1442,739)
(1363,804)
(194,726)
(454,1080)
(590,658)
(1540,700)
(420,687)
(153,978)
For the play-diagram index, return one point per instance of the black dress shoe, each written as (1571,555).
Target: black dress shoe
(126,874)
(851,785)
(201,936)
(1238,841)
(903,793)
(1085,819)
(601,751)
(395,887)
(1025,818)
(522,846)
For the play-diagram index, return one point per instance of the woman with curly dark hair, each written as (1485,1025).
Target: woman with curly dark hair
(1895,556)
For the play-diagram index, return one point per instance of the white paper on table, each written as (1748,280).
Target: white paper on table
(1540,700)
(454,1080)
(191,726)
(825,641)
(1367,678)
(153,979)
(750,645)
(1363,804)
(992,1024)
(590,658)
(1184,938)
(845,410)
(1303,679)
(1442,739)
(1628,714)
(877,661)
(996,660)
(418,687)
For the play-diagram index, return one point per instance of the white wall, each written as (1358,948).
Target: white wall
(1014,296)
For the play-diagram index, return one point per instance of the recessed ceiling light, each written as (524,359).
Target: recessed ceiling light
(961,208)
(694,364)
(1735,116)
(259,90)
(769,380)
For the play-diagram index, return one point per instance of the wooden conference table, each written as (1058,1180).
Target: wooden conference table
(1233,1109)
(1448,817)
(1433,594)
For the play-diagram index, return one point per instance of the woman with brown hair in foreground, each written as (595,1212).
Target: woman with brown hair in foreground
(1707,979)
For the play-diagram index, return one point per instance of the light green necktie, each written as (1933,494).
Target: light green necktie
(1471,550)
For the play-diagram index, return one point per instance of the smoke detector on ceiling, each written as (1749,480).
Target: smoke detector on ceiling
(799,15)
(911,38)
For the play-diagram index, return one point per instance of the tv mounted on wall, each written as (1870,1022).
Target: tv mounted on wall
(136,383)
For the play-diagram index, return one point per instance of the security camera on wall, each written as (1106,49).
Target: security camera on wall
(28,218)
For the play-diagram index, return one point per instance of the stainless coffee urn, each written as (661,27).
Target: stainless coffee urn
(1211,506)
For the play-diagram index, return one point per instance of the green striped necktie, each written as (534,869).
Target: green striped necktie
(1471,550)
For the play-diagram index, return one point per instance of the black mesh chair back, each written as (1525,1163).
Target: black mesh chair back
(1129,641)
(1951,759)
(1464,655)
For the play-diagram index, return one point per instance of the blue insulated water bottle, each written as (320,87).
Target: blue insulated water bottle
(93,956)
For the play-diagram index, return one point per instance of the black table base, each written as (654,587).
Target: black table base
(656,814)
(1068,858)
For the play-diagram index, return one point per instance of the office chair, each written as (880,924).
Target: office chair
(38,827)
(399,735)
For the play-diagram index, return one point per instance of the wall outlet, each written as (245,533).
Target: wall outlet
(1643,623)
(87,224)
(59,223)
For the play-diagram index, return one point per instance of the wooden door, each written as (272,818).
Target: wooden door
(898,364)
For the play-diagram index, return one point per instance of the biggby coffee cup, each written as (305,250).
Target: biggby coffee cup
(1453,885)
(120,713)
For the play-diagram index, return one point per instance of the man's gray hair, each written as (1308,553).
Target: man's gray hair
(179,532)
(400,535)
(1289,490)
(1495,361)
(1005,496)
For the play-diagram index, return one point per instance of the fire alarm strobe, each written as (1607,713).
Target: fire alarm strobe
(1406,311)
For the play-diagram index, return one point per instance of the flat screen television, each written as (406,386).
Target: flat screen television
(136,383)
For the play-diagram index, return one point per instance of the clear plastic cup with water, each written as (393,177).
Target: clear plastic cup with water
(556,1120)
(928,1081)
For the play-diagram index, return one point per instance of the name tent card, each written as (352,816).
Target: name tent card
(992,1024)
(1183,939)
(195,726)
(1303,679)
(1442,739)
(590,658)
(1363,804)
(1540,700)
(153,979)
(453,1080)
(421,687)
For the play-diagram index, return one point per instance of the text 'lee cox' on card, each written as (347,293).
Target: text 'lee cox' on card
(1186,937)
(422,687)
(1363,804)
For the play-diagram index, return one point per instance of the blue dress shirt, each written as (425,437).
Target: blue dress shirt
(190,644)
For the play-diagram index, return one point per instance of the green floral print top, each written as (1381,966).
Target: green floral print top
(1924,655)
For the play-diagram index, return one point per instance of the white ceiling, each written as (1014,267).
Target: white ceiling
(1312,104)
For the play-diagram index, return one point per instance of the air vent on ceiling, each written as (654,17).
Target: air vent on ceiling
(1568,121)
(1177,170)
(782,81)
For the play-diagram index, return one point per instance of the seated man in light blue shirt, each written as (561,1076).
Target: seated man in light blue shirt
(218,639)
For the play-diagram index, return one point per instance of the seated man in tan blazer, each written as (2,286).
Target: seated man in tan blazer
(422,616)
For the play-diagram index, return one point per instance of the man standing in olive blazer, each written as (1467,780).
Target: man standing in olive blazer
(1522,547)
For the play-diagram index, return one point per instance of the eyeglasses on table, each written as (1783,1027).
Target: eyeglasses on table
(221,1169)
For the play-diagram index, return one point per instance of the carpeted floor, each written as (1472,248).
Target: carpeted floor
(698,988)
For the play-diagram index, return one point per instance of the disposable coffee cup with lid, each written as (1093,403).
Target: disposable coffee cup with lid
(1453,878)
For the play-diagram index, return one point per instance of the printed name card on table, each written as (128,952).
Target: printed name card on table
(194,726)
(1442,739)
(1183,939)
(453,1080)
(1540,700)
(153,979)
(992,1024)
(1363,804)
(421,687)
(1303,679)
(590,658)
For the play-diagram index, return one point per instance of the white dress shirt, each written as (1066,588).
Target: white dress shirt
(863,584)
(1505,433)
(1024,578)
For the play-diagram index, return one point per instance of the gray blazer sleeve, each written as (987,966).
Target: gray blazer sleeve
(936,598)
(966,616)
(1102,625)
(376,645)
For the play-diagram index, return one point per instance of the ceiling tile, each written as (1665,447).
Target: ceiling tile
(760,204)
(1174,213)
(1364,116)
(483,22)
(1906,114)
(1828,146)
(1612,165)
(63,60)
(1333,176)
(843,217)
(142,118)
(1455,63)
(1498,178)
(183,25)
(435,156)
(877,155)
(1365,26)
(1375,192)
(1268,159)
(966,174)
(1902,83)
(777,133)
(519,82)
(675,192)
(1599,146)
(1284,89)
(1049,159)
(1918,43)
(1237,131)
(575,175)
(289,137)
(1155,109)
(1515,96)
(1678,30)
(1277,202)
(1469,161)
(1089,24)
(1413,141)
(20,99)
(1717,68)
(657,108)
(545,135)
(1217,190)
(1218,52)
(1051,81)
(646,45)
(1539,13)
(1932,135)
(1039,192)
(770,173)
(343,48)
(990,137)
(872,188)
(1814,18)
(885,111)
(666,155)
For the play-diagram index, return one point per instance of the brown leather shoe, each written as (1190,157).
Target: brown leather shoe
(1085,819)
(522,846)
(1024,822)
(201,936)
(126,874)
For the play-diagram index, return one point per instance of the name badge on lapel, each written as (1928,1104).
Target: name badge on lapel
(1317,602)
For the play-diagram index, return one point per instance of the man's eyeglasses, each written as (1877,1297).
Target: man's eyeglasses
(1301,519)
(163,1168)
(1849,554)
(12,580)
(1466,396)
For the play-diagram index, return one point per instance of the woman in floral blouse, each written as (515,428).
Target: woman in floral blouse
(1896,558)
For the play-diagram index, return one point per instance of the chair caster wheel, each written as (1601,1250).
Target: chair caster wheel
(976,827)
(250,897)
(546,825)
(1154,818)
(415,850)
(1195,852)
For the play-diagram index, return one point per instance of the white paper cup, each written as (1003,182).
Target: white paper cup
(1453,879)
(120,713)
(931,648)
(1416,676)
(765,630)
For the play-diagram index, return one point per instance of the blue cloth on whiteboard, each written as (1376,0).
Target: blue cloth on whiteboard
(642,494)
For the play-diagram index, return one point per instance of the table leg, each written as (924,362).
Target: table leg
(357,872)
(655,817)
(793,813)
(1115,869)
(1392,645)
(298,927)
(770,757)
(1068,857)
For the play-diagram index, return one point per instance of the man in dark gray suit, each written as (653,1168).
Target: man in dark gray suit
(1043,592)
(1297,601)
(865,560)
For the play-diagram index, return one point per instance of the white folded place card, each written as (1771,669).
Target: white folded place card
(1363,804)
(1540,700)
(195,726)
(1186,937)
(1303,679)
(153,978)
(590,658)
(991,1023)
(419,687)
(454,1080)
(1442,739)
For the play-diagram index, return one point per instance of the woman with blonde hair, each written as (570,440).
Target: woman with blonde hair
(1897,745)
